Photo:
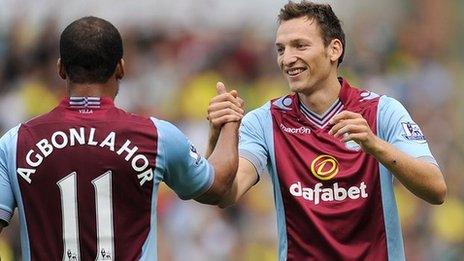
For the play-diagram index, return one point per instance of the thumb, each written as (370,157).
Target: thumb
(220,88)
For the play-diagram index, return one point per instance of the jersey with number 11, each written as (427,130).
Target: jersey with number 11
(84,178)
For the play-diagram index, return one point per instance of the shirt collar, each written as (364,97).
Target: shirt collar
(76,102)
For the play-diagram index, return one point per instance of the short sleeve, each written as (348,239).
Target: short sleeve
(7,200)
(252,142)
(396,126)
(184,169)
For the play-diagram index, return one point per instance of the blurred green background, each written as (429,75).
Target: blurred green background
(175,52)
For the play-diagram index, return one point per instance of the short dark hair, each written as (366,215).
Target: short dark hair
(329,24)
(90,49)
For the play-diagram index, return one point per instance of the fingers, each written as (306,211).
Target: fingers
(218,118)
(231,114)
(344,115)
(226,97)
(225,107)
(241,102)
(220,88)
(234,93)
(348,131)
(221,113)
(343,126)
(351,126)
(344,119)
(359,138)
(219,106)
(223,95)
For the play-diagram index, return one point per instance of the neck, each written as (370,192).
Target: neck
(323,96)
(108,89)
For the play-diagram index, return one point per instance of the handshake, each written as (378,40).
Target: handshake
(224,107)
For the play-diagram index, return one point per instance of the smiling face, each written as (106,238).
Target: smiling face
(304,60)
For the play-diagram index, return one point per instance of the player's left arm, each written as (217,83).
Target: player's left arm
(7,200)
(421,177)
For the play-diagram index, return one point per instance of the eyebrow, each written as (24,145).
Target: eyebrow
(294,41)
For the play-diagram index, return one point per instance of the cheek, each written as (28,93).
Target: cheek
(279,62)
(317,62)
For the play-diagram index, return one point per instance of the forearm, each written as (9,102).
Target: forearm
(224,156)
(212,140)
(224,159)
(422,178)
(246,177)
(230,197)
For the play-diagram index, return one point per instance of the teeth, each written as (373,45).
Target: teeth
(296,71)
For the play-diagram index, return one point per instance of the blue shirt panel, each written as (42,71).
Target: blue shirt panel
(182,168)
(252,139)
(396,126)
(7,198)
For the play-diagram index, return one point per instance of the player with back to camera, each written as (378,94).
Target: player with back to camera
(331,150)
(85,176)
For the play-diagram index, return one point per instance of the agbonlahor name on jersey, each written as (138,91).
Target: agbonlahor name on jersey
(333,193)
(73,137)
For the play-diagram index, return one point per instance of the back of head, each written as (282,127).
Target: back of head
(329,24)
(90,49)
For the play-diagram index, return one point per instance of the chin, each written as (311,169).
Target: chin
(295,87)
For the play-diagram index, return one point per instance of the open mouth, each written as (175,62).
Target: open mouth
(293,72)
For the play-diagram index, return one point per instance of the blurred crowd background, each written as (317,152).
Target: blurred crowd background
(175,51)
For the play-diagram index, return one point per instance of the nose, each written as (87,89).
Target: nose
(288,58)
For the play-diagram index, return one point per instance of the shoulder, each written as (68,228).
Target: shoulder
(390,109)
(258,116)
(392,116)
(164,126)
(260,111)
(11,133)
(8,140)
(284,103)
(168,132)
(364,98)
(40,119)
(389,103)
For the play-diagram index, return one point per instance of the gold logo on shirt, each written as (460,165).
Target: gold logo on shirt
(324,167)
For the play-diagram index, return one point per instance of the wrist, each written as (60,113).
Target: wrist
(378,147)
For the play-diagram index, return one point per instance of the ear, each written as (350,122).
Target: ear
(120,70)
(61,70)
(335,50)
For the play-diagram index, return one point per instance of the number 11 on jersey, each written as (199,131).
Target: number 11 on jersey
(104,216)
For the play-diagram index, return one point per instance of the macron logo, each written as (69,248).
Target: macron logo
(300,130)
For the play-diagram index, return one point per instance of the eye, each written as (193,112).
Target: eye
(301,46)
(280,50)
